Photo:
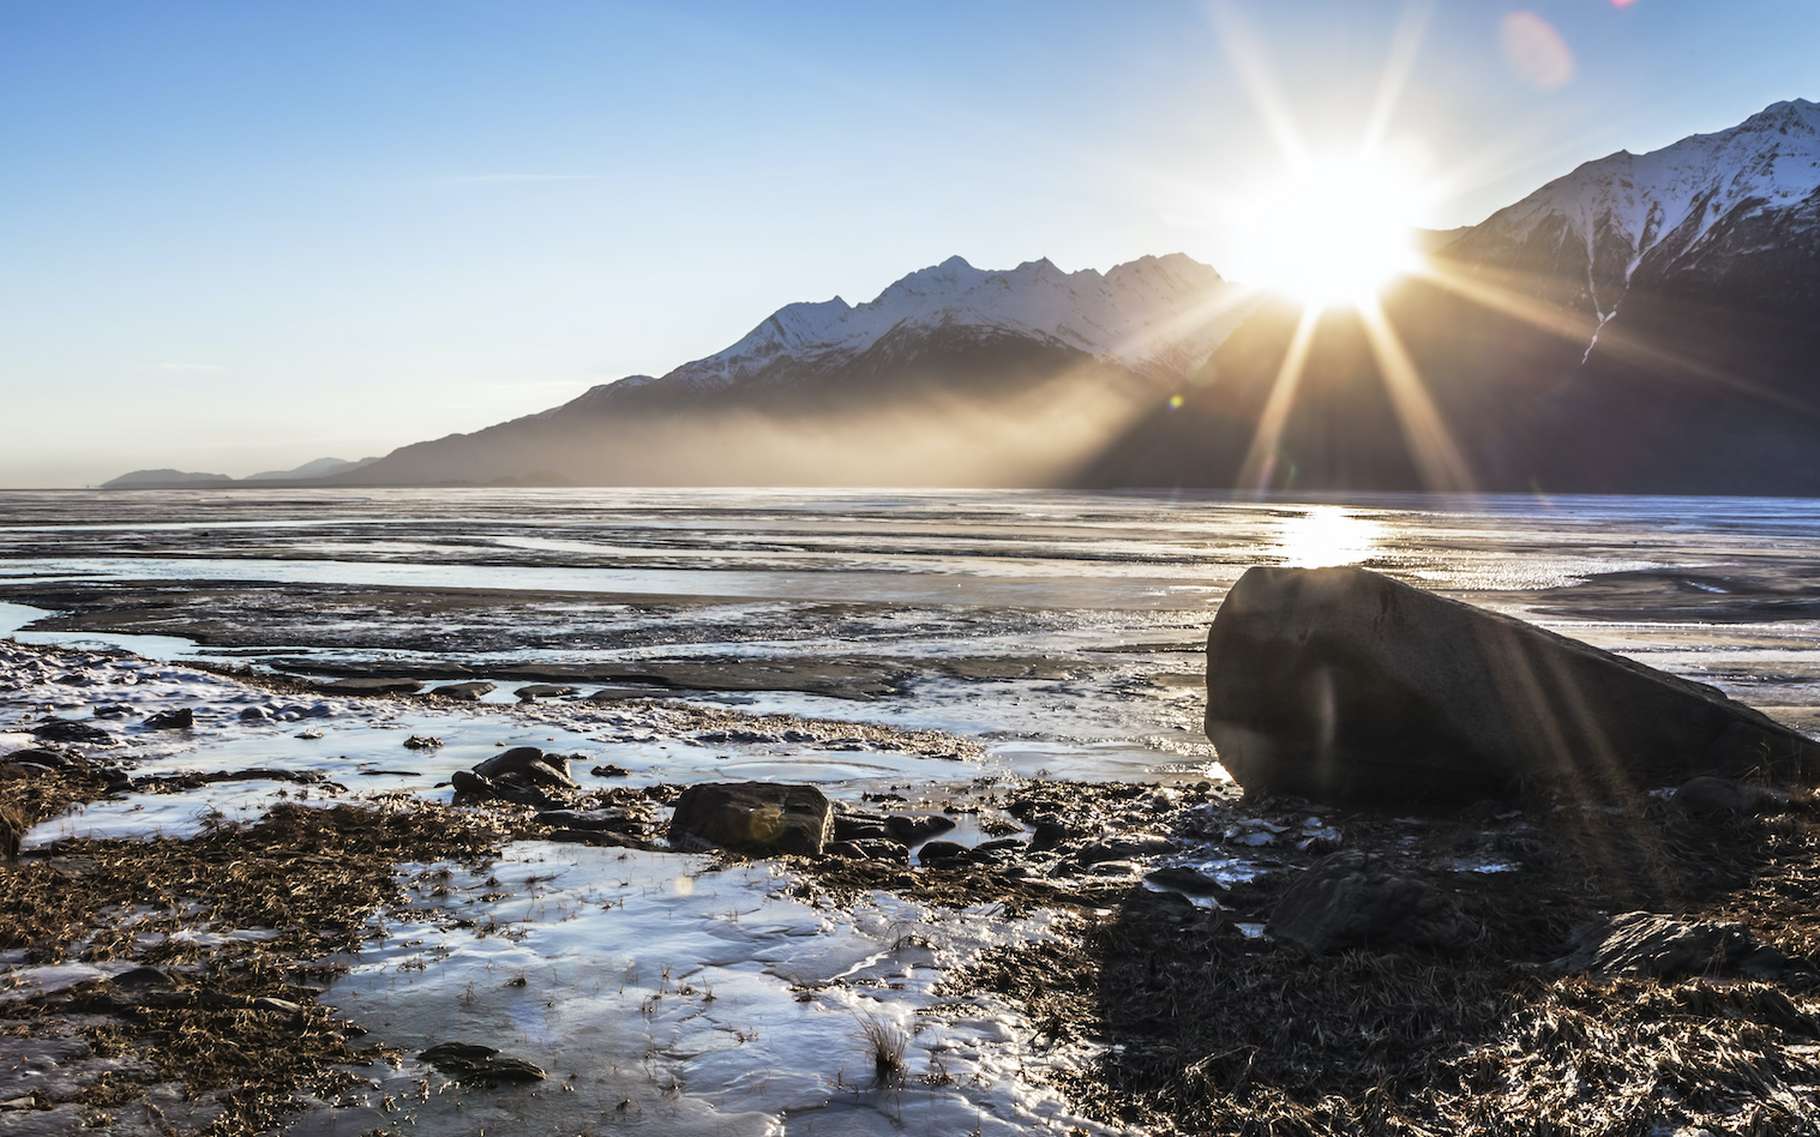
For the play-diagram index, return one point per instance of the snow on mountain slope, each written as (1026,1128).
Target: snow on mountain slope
(1661,208)
(1155,311)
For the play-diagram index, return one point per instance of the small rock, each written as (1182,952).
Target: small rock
(609,770)
(1321,840)
(937,852)
(1048,832)
(754,817)
(994,848)
(466,1062)
(422,742)
(1113,868)
(143,978)
(868,849)
(275,1006)
(1183,878)
(311,735)
(41,758)
(1712,797)
(470,786)
(531,766)
(912,830)
(1348,901)
(254,714)
(531,692)
(1643,943)
(180,718)
(722,737)
(71,730)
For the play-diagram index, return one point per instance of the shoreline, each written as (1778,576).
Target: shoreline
(1150,992)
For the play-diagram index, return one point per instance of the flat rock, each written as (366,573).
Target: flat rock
(912,830)
(468,691)
(753,817)
(1707,796)
(1663,947)
(1348,901)
(371,686)
(482,1065)
(180,718)
(937,852)
(40,757)
(531,692)
(1340,684)
(71,730)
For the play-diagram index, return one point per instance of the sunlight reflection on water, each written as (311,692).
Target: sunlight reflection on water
(1328,535)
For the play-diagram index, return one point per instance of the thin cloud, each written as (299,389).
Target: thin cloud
(510,177)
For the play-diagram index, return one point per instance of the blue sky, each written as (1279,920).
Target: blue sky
(241,235)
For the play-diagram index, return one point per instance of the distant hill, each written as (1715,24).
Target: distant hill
(162,479)
(319,468)
(174,479)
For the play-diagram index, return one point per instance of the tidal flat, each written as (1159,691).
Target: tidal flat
(264,920)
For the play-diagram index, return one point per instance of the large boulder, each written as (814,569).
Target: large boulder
(1343,685)
(753,817)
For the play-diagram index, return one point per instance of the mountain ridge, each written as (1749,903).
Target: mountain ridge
(1590,336)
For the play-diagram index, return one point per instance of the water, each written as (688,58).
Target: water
(1054,622)
(1057,633)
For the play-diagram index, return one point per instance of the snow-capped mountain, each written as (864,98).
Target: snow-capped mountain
(1645,323)
(1687,210)
(872,378)
(1151,312)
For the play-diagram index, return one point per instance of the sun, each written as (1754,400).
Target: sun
(1331,232)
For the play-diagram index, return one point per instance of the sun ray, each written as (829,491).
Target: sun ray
(1404,45)
(1261,460)
(1613,338)
(1229,300)
(1246,55)
(1430,443)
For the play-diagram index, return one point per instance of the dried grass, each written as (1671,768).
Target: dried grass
(314,876)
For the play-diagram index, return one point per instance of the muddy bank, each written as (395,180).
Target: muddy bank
(447,633)
(1041,953)
(1211,1020)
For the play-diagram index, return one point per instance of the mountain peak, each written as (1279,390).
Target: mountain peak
(1662,205)
(1131,313)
